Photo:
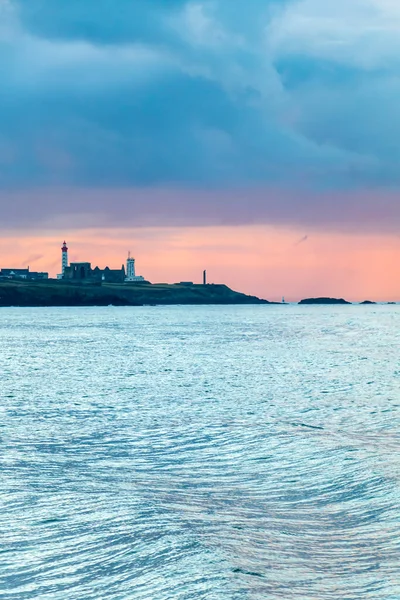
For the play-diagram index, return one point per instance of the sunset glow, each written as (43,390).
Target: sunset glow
(260,260)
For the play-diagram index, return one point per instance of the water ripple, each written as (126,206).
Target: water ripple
(204,452)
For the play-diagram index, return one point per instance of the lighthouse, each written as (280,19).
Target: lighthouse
(131,271)
(130,268)
(64,259)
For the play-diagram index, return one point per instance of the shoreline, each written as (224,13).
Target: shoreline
(53,293)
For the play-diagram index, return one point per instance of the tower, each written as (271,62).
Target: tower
(64,259)
(130,268)
(204,277)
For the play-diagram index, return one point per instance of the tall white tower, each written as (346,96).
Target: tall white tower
(64,259)
(130,268)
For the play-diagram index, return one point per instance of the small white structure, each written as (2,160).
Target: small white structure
(64,260)
(130,270)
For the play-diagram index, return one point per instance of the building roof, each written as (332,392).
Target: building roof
(15,271)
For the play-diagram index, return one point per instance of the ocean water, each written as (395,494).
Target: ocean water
(165,453)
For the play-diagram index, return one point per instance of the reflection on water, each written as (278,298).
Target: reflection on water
(200,452)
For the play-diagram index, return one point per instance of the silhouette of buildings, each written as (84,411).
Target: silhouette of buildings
(23,274)
(82,271)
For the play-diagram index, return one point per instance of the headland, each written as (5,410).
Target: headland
(61,293)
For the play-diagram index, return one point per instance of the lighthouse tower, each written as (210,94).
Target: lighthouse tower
(130,268)
(64,259)
(131,271)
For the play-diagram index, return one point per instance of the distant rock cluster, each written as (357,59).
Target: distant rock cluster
(324,301)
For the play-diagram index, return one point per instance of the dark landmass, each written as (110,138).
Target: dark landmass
(60,293)
(324,301)
(367,302)
(392,302)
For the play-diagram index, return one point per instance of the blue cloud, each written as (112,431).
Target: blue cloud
(99,22)
(206,94)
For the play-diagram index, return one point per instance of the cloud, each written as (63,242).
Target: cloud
(78,208)
(32,258)
(201,95)
(351,33)
(301,241)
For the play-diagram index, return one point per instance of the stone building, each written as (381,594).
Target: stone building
(82,271)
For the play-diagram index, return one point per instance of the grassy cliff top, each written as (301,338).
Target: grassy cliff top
(60,293)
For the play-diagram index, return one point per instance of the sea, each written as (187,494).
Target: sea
(215,452)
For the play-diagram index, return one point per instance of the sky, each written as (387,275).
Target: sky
(256,138)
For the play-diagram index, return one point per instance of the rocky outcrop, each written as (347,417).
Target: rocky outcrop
(324,301)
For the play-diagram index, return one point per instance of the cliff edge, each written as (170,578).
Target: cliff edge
(59,293)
